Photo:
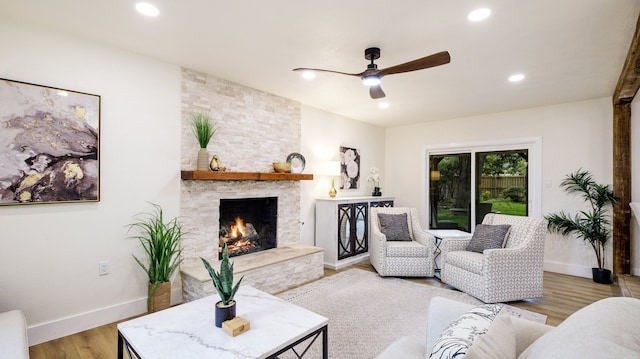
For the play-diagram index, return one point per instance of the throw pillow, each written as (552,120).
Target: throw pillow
(459,335)
(394,226)
(498,343)
(487,236)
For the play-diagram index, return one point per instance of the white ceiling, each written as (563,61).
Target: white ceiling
(569,50)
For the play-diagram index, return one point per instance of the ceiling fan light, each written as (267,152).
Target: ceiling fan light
(371,80)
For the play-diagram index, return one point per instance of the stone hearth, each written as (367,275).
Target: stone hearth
(271,271)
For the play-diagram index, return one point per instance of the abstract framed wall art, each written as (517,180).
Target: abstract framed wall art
(349,168)
(49,144)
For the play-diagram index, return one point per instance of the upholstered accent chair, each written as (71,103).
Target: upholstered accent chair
(512,272)
(406,250)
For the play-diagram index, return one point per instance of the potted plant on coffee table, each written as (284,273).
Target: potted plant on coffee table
(161,243)
(223,282)
(592,225)
(203,128)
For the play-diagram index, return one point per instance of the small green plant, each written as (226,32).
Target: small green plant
(485,196)
(203,127)
(161,243)
(514,193)
(593,225)
(223,280)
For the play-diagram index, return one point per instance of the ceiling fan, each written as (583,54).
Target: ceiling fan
(371,76)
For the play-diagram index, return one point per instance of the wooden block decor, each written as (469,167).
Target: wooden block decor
(235,326)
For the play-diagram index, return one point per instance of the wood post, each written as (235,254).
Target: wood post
(622,188)
(626,89)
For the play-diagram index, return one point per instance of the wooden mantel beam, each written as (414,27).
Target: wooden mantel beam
(626,89)
(629,80)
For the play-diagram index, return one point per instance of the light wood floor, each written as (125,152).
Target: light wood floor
(563,295)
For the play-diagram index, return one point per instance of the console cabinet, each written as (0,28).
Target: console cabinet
(342,228)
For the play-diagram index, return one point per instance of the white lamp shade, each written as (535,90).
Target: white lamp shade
(329,168)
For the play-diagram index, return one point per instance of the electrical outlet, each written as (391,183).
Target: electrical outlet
(103,268)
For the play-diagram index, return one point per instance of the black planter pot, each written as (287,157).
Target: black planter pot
(602,276)
(224,313)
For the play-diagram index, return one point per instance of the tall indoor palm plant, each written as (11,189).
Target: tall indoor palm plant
(161,243)
(593,225)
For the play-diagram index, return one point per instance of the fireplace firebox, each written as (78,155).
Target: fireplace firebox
(248,225)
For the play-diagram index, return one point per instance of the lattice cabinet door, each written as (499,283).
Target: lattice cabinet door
(381,204)
(361,235)
(353,219)
(345,219)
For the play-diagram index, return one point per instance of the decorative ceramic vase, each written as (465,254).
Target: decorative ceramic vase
(376,192)
(224,313)
(203,160)
(161,298)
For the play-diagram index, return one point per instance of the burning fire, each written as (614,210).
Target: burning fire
(238,230)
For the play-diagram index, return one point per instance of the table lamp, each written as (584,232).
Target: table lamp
(331,168)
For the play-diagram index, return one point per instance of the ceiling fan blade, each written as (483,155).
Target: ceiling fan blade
(426,62)
(331,71)
(376,92)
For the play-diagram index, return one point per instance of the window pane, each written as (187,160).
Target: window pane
(450,191)
(501,183)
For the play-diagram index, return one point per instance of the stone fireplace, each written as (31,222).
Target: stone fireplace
(254,130)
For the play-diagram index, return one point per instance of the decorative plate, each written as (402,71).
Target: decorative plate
(297,162)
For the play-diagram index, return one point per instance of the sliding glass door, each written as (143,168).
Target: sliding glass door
(493,181)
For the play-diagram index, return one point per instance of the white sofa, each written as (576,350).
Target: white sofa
(13,335)
(609,328)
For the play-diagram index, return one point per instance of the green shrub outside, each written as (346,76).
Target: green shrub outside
(514,193)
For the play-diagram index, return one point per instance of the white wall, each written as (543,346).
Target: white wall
(573,135)
(50,253)
(322,135)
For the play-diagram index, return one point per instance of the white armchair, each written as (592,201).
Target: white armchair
(405,257)
(503,274)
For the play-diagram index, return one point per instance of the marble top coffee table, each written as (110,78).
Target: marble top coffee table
(188,330)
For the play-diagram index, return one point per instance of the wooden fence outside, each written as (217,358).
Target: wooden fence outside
(496,184)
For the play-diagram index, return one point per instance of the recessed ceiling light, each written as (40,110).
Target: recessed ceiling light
(147,9)
(479,14)
(383,105)
(516,77)
(308,75)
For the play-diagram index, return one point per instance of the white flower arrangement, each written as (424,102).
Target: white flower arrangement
(374,177)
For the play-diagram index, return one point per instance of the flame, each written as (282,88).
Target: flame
(238,229)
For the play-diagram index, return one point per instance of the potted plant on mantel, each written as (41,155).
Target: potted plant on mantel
(593,225)
(203,128)
(161,243)
(223,282)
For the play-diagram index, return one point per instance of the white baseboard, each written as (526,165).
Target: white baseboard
(578,271)
(44,332)
(570,269)
(347,261)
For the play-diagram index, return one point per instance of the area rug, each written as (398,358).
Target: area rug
(367,312)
